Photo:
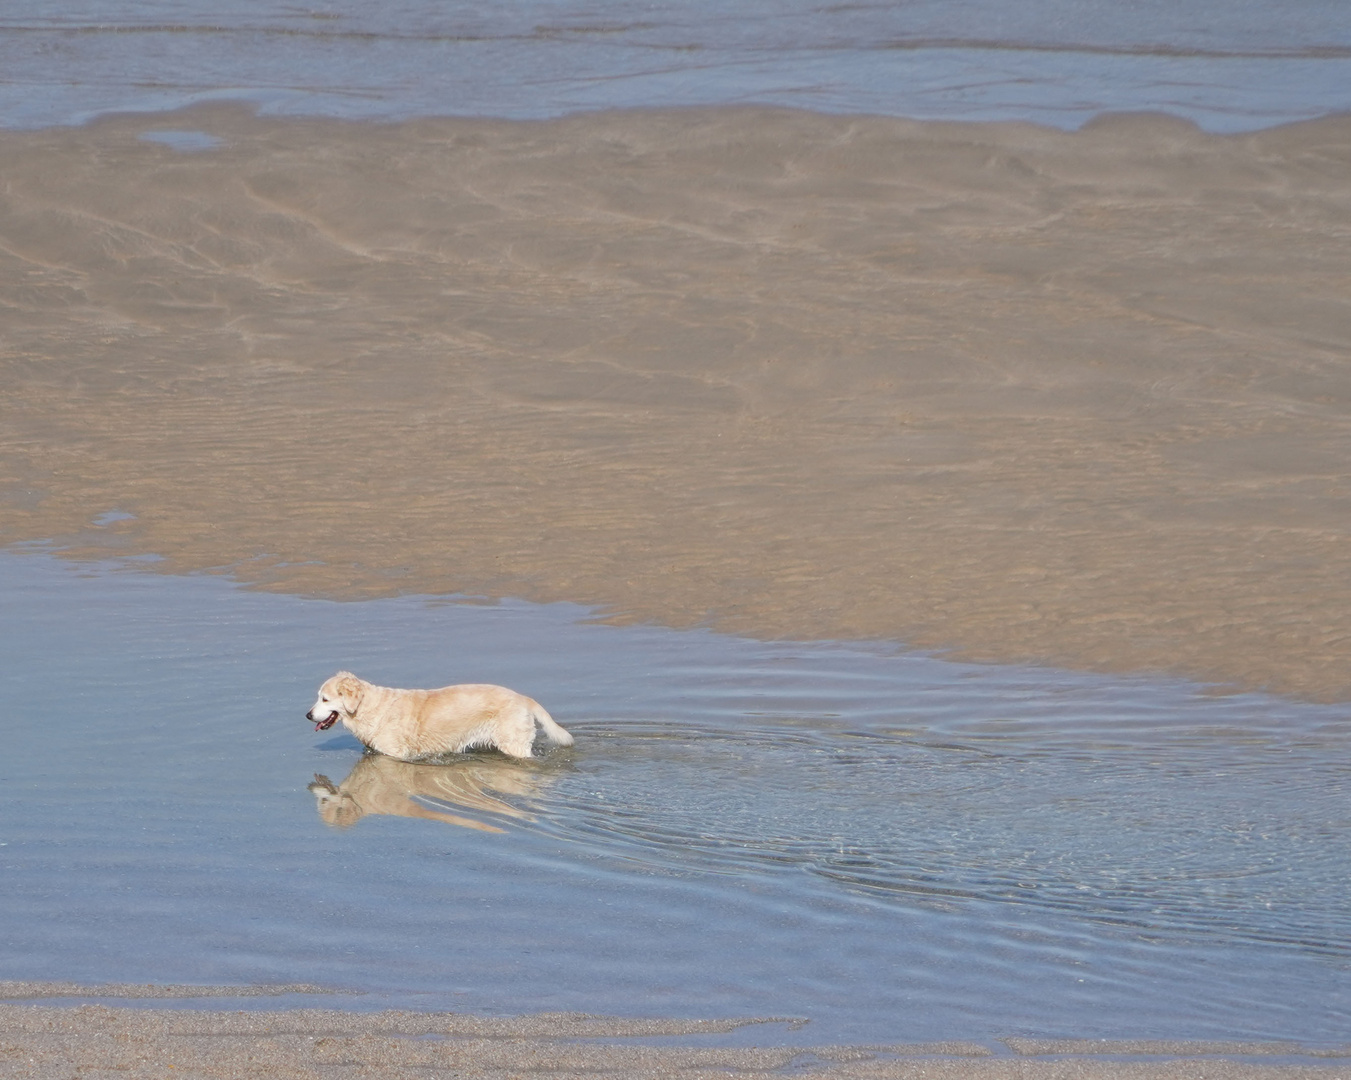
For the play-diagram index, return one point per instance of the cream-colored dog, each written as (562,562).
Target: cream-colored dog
(418,724)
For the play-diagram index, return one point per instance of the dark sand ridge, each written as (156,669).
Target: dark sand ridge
(1082,399)
(41,1041)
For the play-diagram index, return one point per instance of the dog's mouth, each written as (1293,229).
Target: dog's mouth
(326,723)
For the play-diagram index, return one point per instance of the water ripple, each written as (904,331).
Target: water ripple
(1240,841)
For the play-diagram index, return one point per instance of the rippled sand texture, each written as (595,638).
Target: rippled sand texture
(1036,396)
(310,1043)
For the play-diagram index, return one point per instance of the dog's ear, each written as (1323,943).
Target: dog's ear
(349,689)
(322,786)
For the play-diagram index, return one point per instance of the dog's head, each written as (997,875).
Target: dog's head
(338,696)
(336,806)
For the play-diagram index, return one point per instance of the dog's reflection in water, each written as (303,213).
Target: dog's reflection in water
(386,785)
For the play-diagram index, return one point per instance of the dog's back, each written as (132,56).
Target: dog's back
(425,723)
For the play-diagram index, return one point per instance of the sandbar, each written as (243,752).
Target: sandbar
(46,1042)
(994,390)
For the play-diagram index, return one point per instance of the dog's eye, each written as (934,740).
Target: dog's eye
(325,699)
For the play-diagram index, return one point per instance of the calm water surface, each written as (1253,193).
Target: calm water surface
(891,845)
(1230,65)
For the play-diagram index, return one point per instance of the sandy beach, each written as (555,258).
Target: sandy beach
(42,1042)
(1013,393)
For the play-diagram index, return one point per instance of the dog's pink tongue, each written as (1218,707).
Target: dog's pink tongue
(324,725)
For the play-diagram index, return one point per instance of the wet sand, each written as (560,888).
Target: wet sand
(1075,399)
(43,1041)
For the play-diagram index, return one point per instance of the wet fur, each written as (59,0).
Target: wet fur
(414,725)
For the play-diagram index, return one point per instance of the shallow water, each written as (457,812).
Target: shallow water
(890,845)
(1229,66)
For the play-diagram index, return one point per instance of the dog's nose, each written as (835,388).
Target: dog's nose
(310,716)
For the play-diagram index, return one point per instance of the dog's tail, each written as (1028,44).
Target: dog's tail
(552,732)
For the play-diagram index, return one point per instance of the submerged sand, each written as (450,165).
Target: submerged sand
(41,1042)
(1080,399)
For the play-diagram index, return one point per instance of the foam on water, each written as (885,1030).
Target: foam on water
(893,846)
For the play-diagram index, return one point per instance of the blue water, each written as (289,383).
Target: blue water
(889,845)
(1230,65)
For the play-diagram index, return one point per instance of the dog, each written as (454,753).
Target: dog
(384,785)
(414,725)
